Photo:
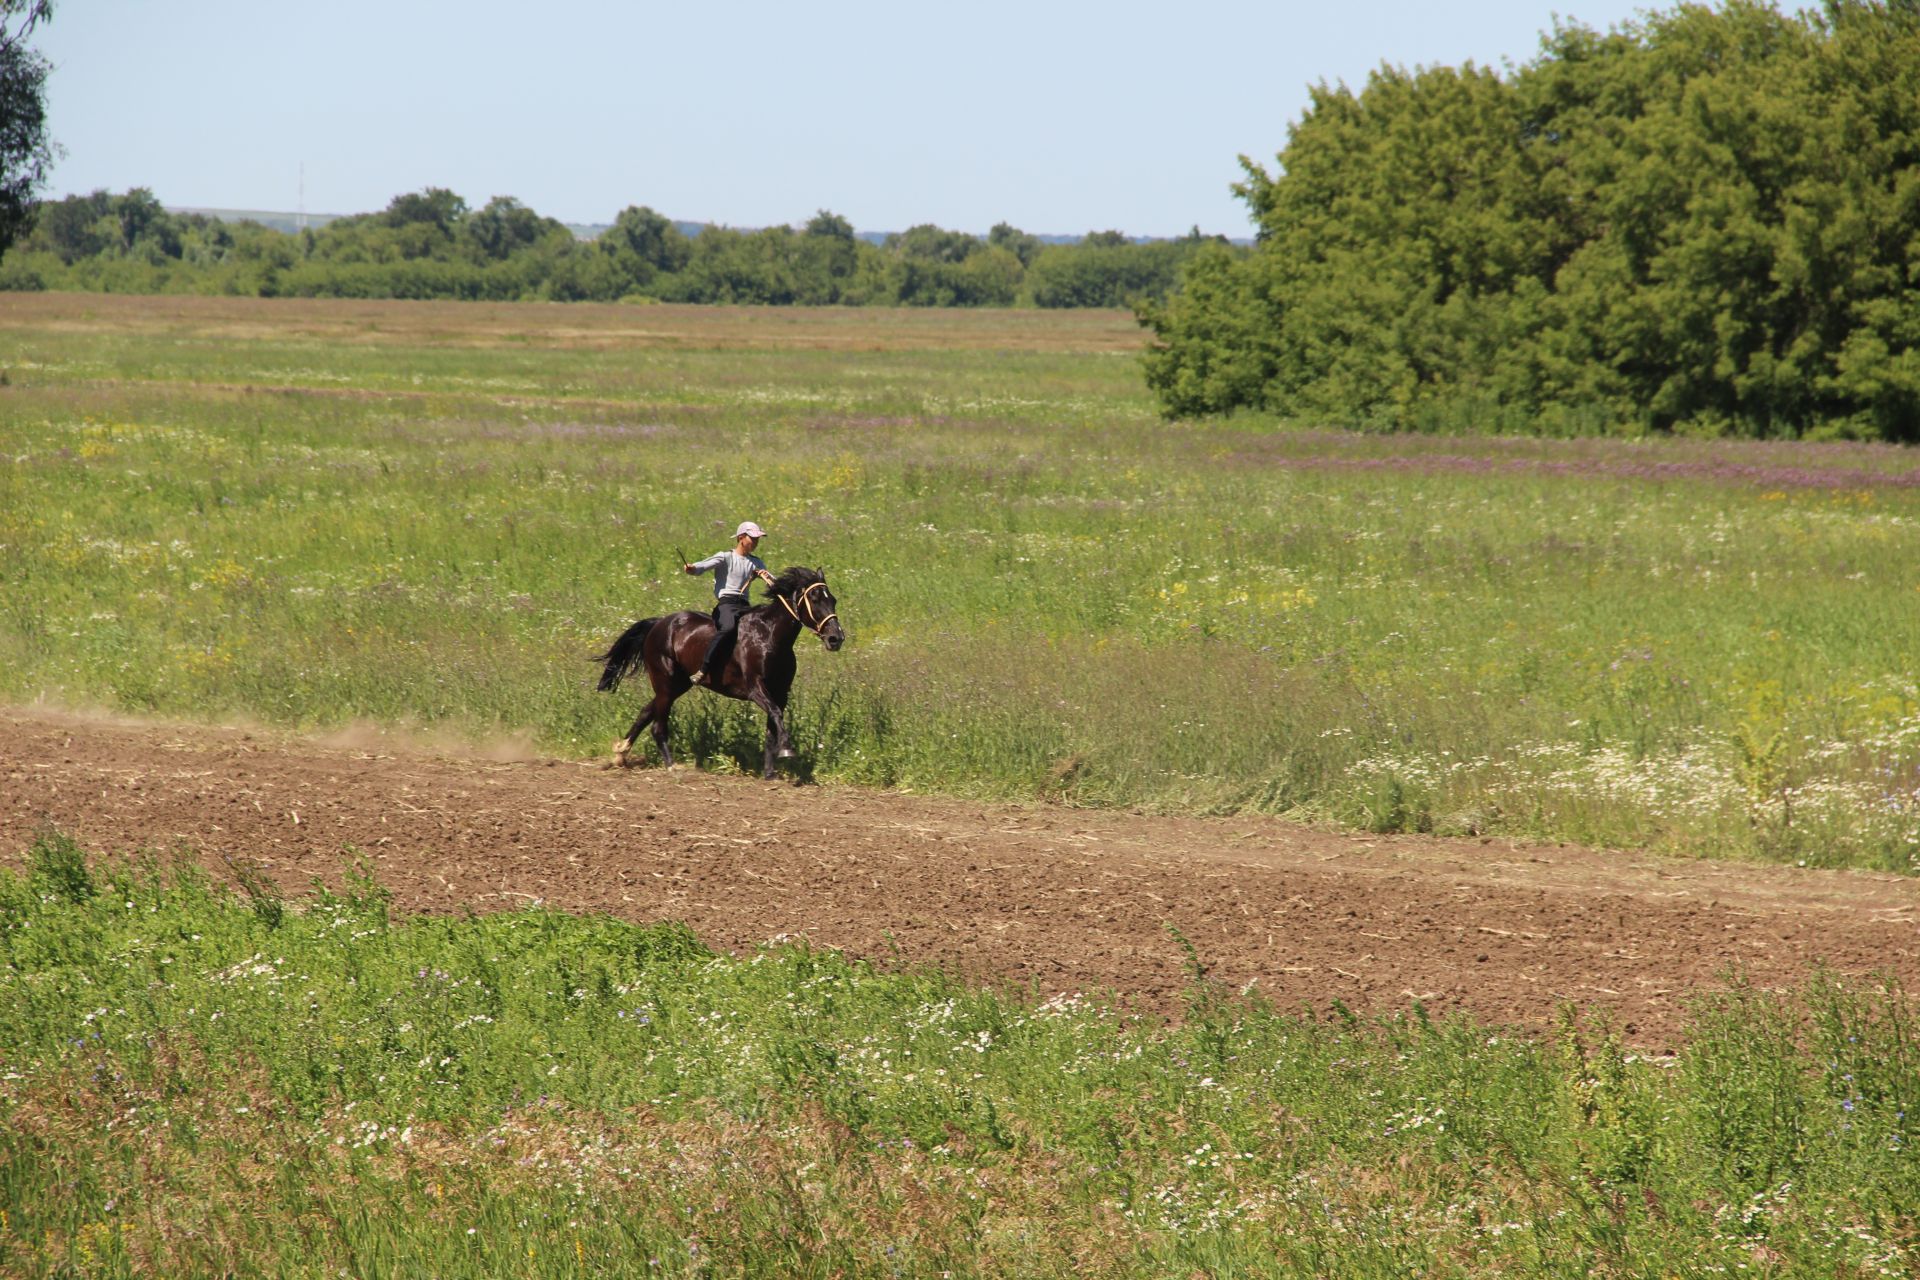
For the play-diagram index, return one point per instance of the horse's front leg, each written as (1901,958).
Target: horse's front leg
(778,746)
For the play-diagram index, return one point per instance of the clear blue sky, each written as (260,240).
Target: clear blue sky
(1058,118)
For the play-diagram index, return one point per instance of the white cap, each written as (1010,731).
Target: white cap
(749,529)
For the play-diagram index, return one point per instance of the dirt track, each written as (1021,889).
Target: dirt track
(1064,899)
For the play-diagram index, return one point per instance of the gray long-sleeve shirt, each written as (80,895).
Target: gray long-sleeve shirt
(732,572)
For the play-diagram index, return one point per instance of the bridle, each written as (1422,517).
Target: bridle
(818,628)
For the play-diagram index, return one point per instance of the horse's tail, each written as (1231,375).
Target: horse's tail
(625,655)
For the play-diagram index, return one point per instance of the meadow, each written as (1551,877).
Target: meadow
(429,515)
(203,1080)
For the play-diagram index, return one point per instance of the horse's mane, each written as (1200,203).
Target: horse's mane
(794,579)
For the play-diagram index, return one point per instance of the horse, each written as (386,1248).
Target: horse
(759,670)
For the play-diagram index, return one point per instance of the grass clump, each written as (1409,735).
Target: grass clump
(191,1087)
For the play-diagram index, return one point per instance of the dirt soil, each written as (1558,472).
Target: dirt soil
(1034,897)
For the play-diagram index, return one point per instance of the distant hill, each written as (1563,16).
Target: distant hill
(287,222)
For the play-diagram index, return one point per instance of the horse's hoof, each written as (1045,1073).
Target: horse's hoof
(620,751)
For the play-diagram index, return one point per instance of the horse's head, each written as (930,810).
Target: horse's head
(807,595)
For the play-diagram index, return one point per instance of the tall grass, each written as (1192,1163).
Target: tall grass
(1702,647)
(199,1080)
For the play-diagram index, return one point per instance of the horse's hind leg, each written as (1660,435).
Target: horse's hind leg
(659,712)
(655,714)
(625,745)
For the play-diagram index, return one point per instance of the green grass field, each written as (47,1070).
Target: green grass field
(313,514)
(428,516)
(200,1082)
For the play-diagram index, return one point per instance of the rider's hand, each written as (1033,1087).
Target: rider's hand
(687,568)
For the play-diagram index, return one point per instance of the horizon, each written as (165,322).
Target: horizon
(278,215)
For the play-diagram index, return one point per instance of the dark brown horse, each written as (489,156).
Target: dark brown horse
(759,670)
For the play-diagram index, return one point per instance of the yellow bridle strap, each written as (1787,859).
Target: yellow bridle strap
(816,627)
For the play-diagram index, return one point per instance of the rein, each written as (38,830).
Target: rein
(818,628)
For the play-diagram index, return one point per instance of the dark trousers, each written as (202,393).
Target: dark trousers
(726,619)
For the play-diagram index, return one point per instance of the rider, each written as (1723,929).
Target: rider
(732,572)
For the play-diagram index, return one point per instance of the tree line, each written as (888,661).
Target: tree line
(431,244)
(1707,220)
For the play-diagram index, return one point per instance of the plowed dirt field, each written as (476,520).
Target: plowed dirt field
(1049,898)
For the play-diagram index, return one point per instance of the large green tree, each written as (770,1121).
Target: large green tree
(1707,220)
(26,149)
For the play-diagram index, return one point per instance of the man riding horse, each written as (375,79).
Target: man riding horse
(732,571)
(741,651)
